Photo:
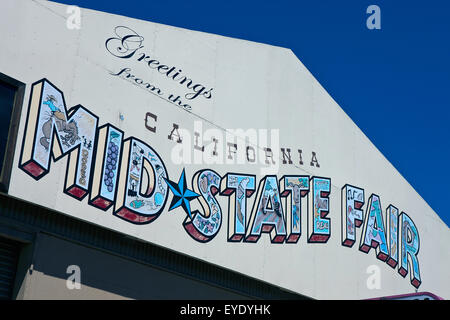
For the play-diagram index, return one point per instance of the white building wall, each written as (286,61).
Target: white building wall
(256,86)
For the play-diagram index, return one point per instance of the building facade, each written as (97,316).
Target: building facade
(143,161)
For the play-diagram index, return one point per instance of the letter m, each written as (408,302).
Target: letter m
(51,129)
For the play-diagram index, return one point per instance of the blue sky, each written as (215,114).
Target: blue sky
(393,82)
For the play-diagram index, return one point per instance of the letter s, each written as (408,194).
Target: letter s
(204,227)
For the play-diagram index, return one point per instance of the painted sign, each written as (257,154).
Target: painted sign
(111,168)
(225,150)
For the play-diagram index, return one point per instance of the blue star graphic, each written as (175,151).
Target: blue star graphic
(181,194)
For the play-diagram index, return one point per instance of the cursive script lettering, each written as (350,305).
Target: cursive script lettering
(125,45)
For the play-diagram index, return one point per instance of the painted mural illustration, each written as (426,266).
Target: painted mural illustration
(293,189)
(109,143)
(318,226)
(203,227)
(143,191)
(374,234)
(237,187)
(352,202)
(126,176)
(267,213)
(409,249)
(392,235)
(75,131)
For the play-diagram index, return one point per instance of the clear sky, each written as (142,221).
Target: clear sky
(393,82)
